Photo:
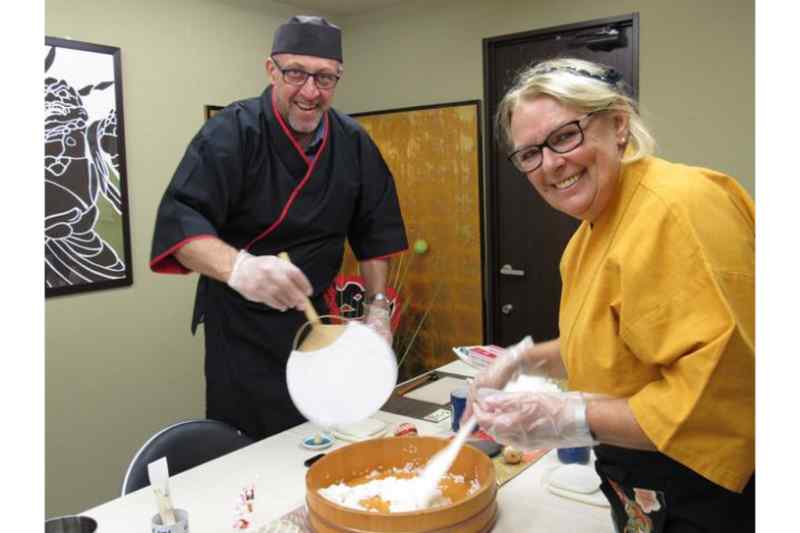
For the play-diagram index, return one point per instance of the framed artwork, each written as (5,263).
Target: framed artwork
(86,229)
(212,110)
(435,155)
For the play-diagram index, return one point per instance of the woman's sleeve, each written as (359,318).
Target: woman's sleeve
(688,310)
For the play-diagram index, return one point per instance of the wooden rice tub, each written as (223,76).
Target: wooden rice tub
(476,514)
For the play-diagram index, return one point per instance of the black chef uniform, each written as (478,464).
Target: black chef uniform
(245,179)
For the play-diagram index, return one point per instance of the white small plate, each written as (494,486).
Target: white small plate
(575,482)
(356,438)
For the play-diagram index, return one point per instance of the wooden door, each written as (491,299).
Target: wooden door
(526,237)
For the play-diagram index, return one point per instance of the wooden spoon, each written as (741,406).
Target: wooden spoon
(321,335)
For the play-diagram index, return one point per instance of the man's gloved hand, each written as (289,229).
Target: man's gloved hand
(270,280)
(530,420)
(378,319)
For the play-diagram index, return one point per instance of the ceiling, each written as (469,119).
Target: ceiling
(338,7)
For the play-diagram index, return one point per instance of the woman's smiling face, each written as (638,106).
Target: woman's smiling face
(581,181)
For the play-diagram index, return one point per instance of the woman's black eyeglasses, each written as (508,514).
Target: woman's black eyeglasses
(296,76)
(562,140)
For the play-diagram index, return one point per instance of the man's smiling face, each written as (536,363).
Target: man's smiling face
(302,106)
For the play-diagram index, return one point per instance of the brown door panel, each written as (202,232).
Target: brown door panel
(523,231)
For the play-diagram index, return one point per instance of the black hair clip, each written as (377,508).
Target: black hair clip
(609,76)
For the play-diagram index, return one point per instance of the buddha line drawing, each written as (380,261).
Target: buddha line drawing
(80,154)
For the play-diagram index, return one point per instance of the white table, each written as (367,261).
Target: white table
(210,491)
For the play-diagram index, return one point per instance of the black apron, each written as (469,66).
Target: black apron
(650,492)
(244,180)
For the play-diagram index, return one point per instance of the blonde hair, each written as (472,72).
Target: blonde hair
(580,84)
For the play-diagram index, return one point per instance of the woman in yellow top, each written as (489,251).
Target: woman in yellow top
(657,310)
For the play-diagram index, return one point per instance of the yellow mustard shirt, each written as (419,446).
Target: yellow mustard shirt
(658,305)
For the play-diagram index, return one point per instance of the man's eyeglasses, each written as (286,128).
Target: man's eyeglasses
(296,76)
(562,140)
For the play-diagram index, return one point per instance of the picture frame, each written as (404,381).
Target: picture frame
(87,230)
(211,110)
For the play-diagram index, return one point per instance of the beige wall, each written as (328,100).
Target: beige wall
(696,60)
(120,364)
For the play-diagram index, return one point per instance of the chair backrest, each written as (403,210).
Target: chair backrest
(185,444)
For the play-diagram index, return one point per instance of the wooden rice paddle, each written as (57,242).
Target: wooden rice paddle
(439,464)
(321,335)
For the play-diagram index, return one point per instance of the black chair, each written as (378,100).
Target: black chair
(185,444)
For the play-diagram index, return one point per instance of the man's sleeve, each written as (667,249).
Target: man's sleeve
(198,198)
(377,228)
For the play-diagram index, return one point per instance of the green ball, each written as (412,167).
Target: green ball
(421,246)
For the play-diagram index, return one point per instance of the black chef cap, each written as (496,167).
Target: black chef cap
(308,36)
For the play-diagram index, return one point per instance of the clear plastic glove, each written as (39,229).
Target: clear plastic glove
(530,420)
(505,368)
(378,319)
(502,371)
(270,280)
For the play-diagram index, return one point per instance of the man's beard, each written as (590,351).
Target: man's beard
(304,127)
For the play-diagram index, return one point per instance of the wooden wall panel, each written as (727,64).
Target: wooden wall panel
(434,155)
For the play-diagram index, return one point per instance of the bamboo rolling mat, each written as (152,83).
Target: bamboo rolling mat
(505,472)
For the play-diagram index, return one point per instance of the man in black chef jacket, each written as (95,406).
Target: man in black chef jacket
(280,172)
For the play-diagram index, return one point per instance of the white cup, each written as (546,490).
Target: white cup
(180,526)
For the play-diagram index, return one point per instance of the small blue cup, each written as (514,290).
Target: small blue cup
(458,402)
(578,455)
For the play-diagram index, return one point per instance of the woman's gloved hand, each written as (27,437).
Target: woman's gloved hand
(270,280)
(530,420)
(504,369)
(378,319)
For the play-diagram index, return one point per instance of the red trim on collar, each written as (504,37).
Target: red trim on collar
(291,136)
(312,166)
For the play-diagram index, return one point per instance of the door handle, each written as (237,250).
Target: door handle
(508,270)
(507,309)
